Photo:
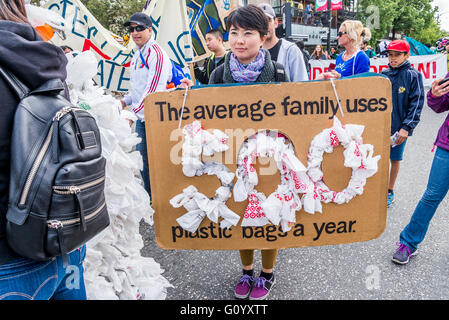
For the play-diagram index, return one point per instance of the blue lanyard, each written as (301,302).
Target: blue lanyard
(143,60)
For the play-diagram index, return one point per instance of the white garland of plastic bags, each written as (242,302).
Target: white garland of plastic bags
(114,267)
(281,205)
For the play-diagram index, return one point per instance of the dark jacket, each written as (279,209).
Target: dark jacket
(268,73)
(440,104)
(408,97)
(210,64)
(34,62)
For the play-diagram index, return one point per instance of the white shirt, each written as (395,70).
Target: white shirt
(150,69)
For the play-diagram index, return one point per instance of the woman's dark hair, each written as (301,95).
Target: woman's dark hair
(249,17)
(216,33)
(13,10)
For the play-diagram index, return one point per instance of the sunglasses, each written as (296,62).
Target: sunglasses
(137,28)
(341,33)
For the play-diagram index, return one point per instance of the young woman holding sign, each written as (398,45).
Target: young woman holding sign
(353,60)
(248,62)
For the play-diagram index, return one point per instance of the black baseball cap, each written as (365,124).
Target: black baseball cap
(139,18)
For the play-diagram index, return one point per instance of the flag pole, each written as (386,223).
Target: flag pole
(189,51)
(330,27)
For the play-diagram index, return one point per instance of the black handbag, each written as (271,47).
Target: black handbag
(56,192)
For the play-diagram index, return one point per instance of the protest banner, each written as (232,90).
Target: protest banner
(84,32)
(321,5)
(336,4)
(170,29)
(205,15)
(430,66)
(300,111)
(180,28)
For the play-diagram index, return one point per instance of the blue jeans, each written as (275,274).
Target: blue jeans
(436,190)
(142,148)
(25,279)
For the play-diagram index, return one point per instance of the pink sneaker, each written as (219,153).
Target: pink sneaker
(261,288)
(243,288)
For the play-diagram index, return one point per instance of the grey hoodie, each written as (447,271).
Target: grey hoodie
(293,60)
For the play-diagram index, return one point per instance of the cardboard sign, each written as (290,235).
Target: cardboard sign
(298,110)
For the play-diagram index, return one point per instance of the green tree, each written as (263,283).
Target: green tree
(429,34)
(110,13)
(414,18)
(376,14)
(113,13)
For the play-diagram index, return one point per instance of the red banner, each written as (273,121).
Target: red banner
(336,5)
(431,67)
(321,5)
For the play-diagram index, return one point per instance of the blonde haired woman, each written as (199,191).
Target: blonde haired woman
(353,60)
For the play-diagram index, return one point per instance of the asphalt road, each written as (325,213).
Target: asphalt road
(352,271)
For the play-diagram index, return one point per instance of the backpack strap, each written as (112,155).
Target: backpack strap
(208,66)
(219,72)
(279,75)
(21,90)
(279,72)
(16,85)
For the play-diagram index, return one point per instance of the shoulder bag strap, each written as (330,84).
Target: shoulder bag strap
(279,71)
(16,85)
(219,73)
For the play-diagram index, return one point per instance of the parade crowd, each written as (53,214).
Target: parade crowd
(256,55)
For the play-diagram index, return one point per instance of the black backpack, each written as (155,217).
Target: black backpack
(278,77)
(56,191)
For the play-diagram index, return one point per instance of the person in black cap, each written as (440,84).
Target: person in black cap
(150,69)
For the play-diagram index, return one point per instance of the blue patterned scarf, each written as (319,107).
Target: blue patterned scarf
(249,72)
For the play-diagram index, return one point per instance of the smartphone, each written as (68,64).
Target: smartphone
(393,139)
(443,81)
(331,67)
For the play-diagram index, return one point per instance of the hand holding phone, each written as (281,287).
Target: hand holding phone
(440,87)
(443,81)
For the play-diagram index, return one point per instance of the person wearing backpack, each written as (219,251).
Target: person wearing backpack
(283,51)
(214,42)
(248,62)
(306,56)
(150,70)
(34,62)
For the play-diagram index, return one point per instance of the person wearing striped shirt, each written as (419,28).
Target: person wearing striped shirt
(150,69)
